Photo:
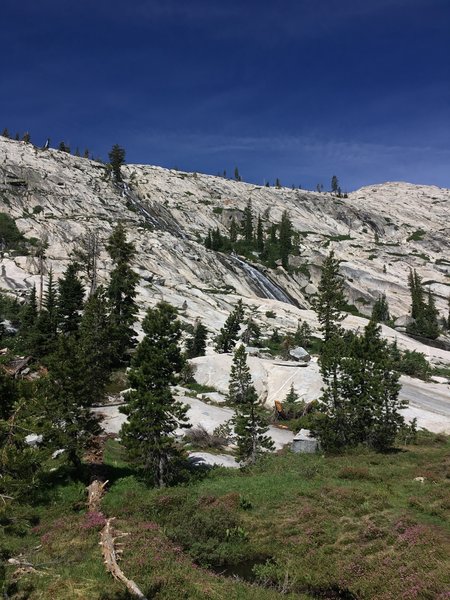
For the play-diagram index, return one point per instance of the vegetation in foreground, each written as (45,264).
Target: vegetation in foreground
(297,526)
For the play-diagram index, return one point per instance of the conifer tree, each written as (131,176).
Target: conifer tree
(66,402)
(95,346)
(5,133)
(259,235)
(208,240)
(360,403)
(236,174)
(196,345)
(233,230)
(247,223)
(116,160)
(86,254)
(70,299)
(26,138)
(28,321)
(19,462)
(380,310)
(334,184)
(153,413)
(292,406)
(250,423)
(302,336)
(47,322)
(285,239)
(228,334)
(252,332)
(330,298)
(122,290)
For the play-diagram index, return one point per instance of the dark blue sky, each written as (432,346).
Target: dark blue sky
(295,89)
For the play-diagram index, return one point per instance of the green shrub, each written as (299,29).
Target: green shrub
(414,364)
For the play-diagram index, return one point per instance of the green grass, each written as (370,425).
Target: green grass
(416,236)
(357,522)
(199,388)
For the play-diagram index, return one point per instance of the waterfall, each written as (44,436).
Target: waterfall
(261,282)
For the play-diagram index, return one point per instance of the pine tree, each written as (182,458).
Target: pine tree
(228,335)
(5,133)
(247,223)
(233,230)
(252,332)
(196,345)
(28,321)
(122,290)
(334,184)
(250,423)
(292,406)
(330,298)
(360,403)
(285,239)
(86,255)
(380,310)
(259,235)
(208,240)
(70,299)
(26,138)
(424,313)
(19,462)
(153,413)
(277,183)
(63,147)
(94,345)
(66,402)
(116,160)
(302,336)
(236,174)
(47,322)
(417,294)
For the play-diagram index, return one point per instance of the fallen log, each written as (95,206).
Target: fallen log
(110,557)
(95,492)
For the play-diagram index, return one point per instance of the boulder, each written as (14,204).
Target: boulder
(304,442)
(300,354)
(403,321)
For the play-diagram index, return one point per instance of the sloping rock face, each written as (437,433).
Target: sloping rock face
(378,233)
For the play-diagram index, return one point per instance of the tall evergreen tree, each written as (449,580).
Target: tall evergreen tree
(247,222)
(250,423)
(66,402)
(122,290)
(236,174)
(330,298)
(196,345)
(380,310)
(228,334)
(334,184)
(95,346)
(360,403)
(233,230)
(28,321)
(47,322)
(117,160)
(259,235)
(153,413)
(70,299)
(285,239)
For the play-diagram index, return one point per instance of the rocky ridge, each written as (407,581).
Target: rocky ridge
(379,232)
